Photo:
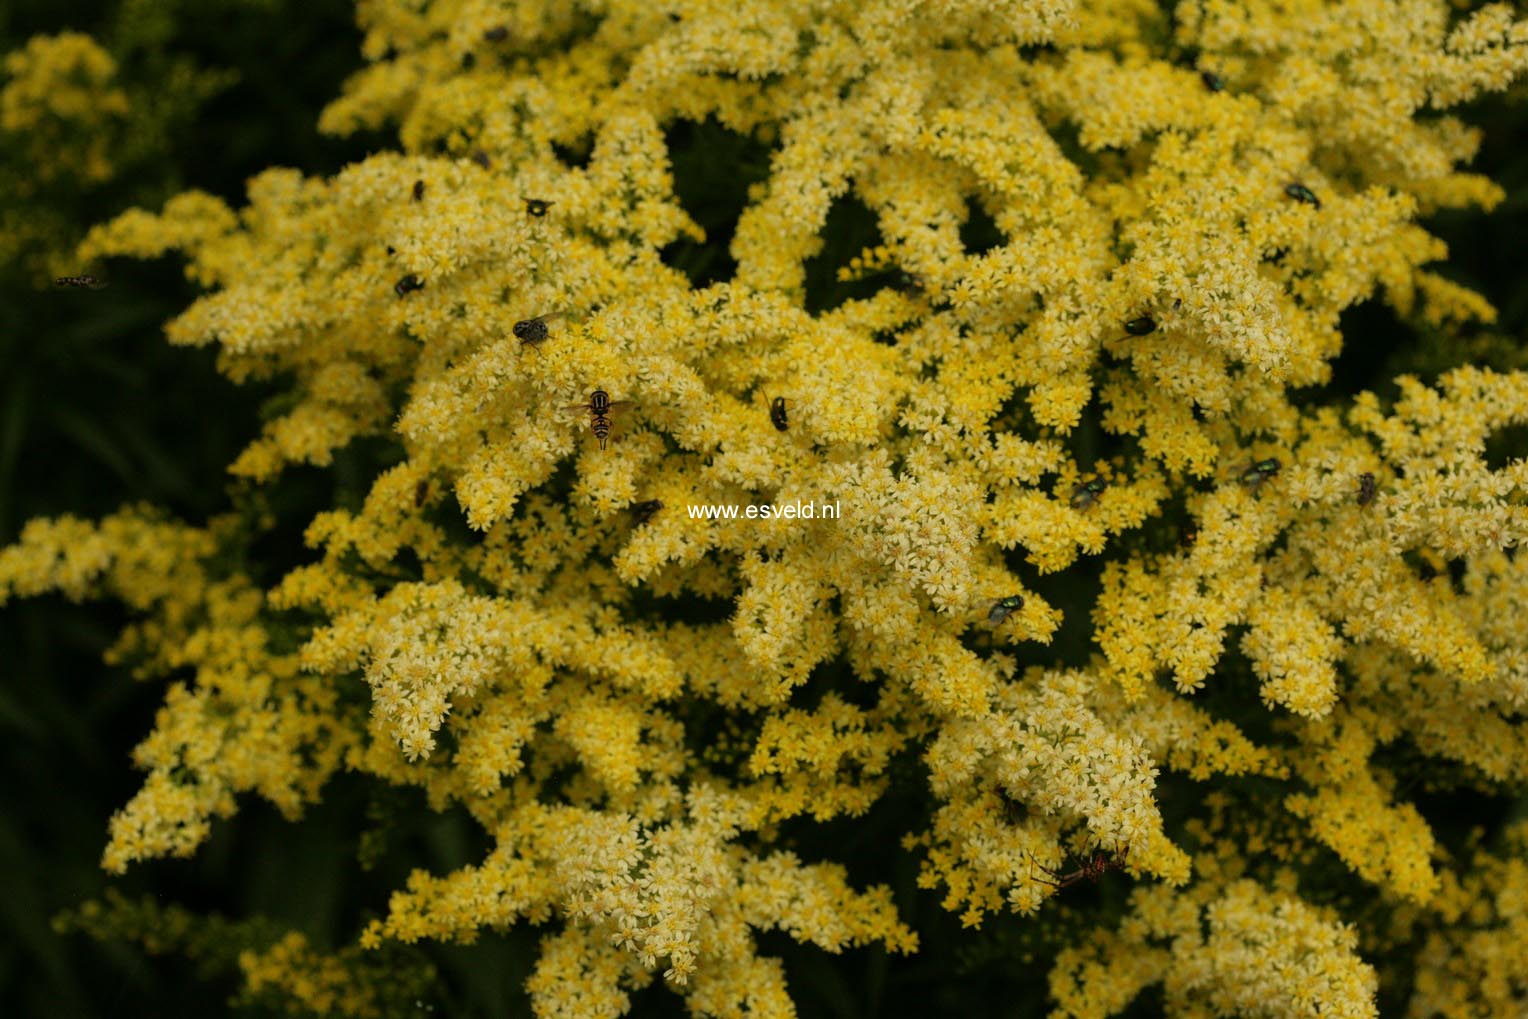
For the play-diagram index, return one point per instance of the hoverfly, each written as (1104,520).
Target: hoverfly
(642,512)
(599,407)
(1091,870)
(418,191)
(80,281)
(1003,608)
(1086,493)
(777,414)
(407,285)
(537,206)
(1300,193)
(1254,476)
(1366,488)
(532,332)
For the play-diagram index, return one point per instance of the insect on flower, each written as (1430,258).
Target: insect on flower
(537,206)
(905,282)
(1366,488)
(1212,81)
(481,158)
(1003,608)
(1014,811)
(599,407)
(1300,193)
(1143,326)
(80,281)
(1092,869)
(777,414)
(1254,476)
(642,512)
(532,332)
(1087,493)
(498,33)
(418,191)
(407,285)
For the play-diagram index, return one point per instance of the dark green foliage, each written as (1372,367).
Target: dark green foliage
(713,199)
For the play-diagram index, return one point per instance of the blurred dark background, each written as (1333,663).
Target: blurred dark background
(97,410)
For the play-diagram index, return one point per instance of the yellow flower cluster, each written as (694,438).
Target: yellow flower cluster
(1242,950)
(1177,242)
(242,718)
(62,109)
(59,93)
(281,970)
(312,984)
(1477,962)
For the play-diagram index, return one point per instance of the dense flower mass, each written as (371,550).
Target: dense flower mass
(1184,199)
(58,82)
